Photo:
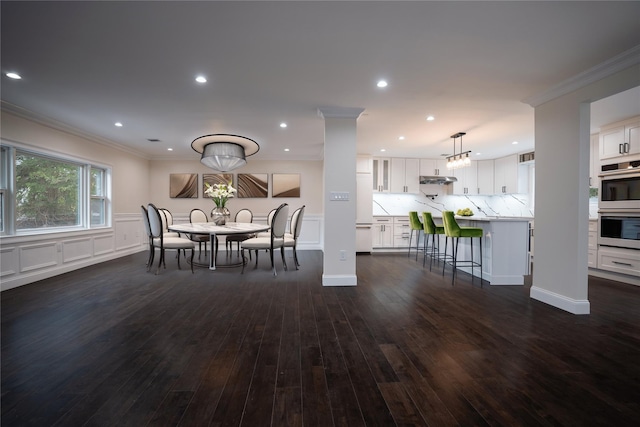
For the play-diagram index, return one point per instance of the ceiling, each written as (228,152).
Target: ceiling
(87,65)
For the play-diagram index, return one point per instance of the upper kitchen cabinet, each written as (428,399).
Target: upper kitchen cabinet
(594,161)
(405,175)
(381,168)
(433,167)
(506,175)
(467,179)
(620,139)
(485,176)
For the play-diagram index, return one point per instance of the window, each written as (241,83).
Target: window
(47,192)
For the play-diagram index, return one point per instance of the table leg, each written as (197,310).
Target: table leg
(213,253)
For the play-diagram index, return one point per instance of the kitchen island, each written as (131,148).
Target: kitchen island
(505,248)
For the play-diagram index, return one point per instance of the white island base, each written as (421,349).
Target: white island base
(505,249)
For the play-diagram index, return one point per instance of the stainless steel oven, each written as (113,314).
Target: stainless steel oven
(619,229)
(620,186)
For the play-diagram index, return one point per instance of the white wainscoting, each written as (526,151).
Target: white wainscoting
(29,258)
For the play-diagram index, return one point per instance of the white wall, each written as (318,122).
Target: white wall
(25,259)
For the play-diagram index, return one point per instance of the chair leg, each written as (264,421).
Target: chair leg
(284,263)
(455,259)
(160,261)
(444,259)
(417,242)
(410,237)
(273,265)
(192,253)
(256,259)
(295,257)
(243,263)
(481,261)
(185,256)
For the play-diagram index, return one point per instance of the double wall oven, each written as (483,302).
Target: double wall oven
(619,205)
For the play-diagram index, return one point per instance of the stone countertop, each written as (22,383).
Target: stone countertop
(471,218)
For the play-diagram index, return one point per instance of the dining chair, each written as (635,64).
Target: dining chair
(269,219)
(291,238)
(455,231)
(198,216)
(167,220)
(273,242)
(162,242)
(244,216)
(147,227)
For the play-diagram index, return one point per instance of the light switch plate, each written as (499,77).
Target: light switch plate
(339,196)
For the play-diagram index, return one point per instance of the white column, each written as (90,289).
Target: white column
(339,192)
(562,129)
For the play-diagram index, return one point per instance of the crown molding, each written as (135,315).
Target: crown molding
(340,112)
(54,124)
(607,68)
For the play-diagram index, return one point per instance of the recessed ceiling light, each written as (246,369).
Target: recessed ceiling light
(515,143)
(14,76)
(401,138)
(382,83)
(118,124)
(169,149)
(383,150)
(286,149)
(283,125)
(430,118)
(477,154)
(201,79)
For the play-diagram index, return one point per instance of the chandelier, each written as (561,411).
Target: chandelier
(461,159)
(224,152)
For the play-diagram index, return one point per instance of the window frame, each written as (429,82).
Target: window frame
(8,191)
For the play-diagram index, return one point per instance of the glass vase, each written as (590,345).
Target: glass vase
(220,215)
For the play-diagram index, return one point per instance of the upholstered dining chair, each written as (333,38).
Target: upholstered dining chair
(245,216)
(167,220)
(162,242)
(269,219)
(273,242)
(433,231)
(291,238)
(198,216)
(455,231)
(417,228)
(147,227)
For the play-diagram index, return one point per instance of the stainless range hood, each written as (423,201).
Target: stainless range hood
(437,179)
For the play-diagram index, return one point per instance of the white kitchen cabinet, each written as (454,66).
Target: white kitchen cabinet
(620,139)
(594,161)
(485,176)
(401,232)
(382,235)
(619,260)
(467,180)
(433,167)
(506,175)
(381,168)
(405,176)
(592,251)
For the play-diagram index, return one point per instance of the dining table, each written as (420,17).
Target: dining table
(213,230)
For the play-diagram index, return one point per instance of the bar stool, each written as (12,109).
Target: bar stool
(416,225)
(453,230)
(433,230)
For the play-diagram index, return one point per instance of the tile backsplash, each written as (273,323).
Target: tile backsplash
(482,206)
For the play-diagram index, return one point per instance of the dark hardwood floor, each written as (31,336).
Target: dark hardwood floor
(113,345)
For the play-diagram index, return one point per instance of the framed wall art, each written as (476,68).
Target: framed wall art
(253,185)
(183,185)
(216,178)
(285,184)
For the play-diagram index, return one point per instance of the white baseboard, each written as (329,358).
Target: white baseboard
(339,280)
(560,301)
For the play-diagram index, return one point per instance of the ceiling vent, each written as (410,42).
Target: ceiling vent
(527,157)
